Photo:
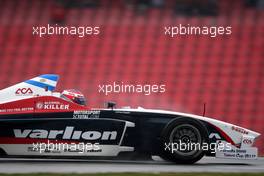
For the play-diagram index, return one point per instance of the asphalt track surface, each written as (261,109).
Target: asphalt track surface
(103,166)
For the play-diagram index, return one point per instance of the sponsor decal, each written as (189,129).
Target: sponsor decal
(67,133)
(122,112)
(240,154)
(247,141)
(214,135)
(52,105)
(240,130)
(39,105)
(16,110)
(86,114)
(237,153)
(24,91)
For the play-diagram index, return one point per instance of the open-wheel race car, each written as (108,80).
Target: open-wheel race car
(36,121)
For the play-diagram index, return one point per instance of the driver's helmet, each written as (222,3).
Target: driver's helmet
(75,96)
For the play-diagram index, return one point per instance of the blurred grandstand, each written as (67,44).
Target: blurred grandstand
(225,72)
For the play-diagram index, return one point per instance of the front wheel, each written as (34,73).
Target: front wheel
(182,141)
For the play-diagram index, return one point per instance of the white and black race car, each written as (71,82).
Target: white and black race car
(35,121)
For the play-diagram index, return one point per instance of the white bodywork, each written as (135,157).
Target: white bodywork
(41,85)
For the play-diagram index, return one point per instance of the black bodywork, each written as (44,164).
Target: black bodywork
(144,136)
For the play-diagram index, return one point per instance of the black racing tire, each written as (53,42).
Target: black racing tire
(187,130)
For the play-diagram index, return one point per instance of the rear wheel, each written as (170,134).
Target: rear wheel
(182,141)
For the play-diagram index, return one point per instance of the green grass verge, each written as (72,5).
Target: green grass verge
(141,174)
